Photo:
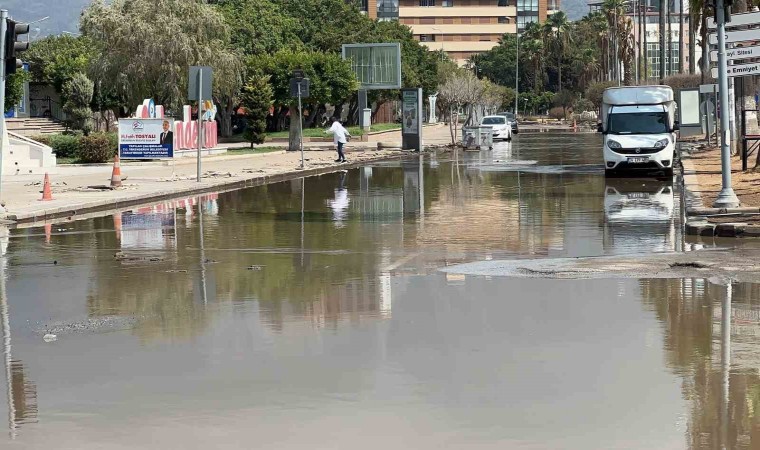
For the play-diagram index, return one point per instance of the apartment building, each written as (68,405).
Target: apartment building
(461,28)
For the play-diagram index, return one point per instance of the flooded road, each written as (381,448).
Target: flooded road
(313,314)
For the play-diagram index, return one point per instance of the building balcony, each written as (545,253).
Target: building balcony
(439,29)
(458,11)
(461,46)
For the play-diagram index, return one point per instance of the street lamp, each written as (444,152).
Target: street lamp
(35,21)
(517,71)
(440,33)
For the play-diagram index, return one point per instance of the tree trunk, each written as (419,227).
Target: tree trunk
(353,111)
(692,42)
(705,61)
(646,46)
(225,118)
(681,59)
(663,53)
(296,129)
(670,36)
(338,112)
(559,70)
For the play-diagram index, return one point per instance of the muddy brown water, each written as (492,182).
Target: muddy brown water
(313,314)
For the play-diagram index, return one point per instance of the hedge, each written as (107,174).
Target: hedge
(96,148)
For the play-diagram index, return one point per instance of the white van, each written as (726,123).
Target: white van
(502,128)
(639,129)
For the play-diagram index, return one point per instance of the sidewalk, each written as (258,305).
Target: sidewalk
(702,184)
(148,182)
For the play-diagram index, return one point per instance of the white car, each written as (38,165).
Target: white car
(502,128)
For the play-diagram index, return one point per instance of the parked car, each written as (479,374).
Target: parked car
(512,121)
(500,125)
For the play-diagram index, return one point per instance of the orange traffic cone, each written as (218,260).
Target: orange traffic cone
(47,192)
(116,174)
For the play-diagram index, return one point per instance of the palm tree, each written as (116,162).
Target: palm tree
(558,28)
(696,10)
(535,48)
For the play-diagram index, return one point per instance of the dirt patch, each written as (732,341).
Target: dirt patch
(708,169)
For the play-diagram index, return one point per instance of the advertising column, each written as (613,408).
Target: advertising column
(411,119)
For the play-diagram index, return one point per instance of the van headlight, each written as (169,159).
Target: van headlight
(613,144)
(662,143)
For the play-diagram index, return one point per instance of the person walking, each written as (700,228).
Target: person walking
(340,137)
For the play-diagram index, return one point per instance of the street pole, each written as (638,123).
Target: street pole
(617,51)
(517,74)
(300,118)
(200,120)
(3,30)
(636,18)
(727,198)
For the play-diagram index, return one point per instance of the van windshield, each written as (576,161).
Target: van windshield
(638,123)
(494,121)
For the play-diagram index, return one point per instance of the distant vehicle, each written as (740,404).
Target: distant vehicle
(500,126)
(512,121)
(638,128)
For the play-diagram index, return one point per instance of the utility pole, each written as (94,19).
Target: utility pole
(517,74)
(663,52)
(727,198)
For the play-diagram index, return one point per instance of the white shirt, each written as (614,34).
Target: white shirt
(339,133)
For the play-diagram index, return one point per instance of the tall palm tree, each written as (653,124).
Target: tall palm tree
(535,48)
(663,53)
(558,28)
(696,9)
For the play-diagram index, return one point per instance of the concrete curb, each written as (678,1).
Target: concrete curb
(77,209)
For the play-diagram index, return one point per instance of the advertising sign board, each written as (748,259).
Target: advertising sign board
(146,138)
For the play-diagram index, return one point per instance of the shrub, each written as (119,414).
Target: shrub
(681,81)
(256,98)
(97,148)
(78,93)
(65,145)
(583,104)
(42,139)
(557,112)
(595,91)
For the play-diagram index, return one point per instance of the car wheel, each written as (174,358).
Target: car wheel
(610,173)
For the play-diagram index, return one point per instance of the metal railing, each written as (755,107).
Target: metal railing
(46,107)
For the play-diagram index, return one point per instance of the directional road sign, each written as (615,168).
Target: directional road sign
(737,20)
(739,70)
(738,53)
(737,36)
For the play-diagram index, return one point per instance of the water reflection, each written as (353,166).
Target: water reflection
(322,295)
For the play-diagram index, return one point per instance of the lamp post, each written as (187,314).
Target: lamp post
(517,73)
(28,38)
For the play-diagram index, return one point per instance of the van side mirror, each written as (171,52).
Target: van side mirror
(599,128)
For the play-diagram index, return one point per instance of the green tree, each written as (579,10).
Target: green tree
(325,25)
(78,92)
(558,31)
(331,81)
(14,88)
(56,59)
(258,27)
(256,98)
(137,60)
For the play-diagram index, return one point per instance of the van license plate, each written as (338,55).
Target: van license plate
(638,160)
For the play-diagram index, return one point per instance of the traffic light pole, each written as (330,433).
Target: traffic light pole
(727,198)
(3,33)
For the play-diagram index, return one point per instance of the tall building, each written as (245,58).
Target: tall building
(461,28)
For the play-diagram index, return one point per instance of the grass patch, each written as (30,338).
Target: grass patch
(353,130)
(67,160)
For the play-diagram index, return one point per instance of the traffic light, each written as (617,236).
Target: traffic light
(13,46)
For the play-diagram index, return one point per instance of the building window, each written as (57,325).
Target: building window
(447,3)
(427,38)
(522,21)
(653,57)
(503,3)
(527,5)
(427,2)
(503,19)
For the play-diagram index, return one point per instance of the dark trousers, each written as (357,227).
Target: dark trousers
(341,156)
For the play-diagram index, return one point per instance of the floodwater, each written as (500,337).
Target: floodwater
(313,314)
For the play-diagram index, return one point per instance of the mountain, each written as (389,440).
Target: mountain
(575,9)
(64,14)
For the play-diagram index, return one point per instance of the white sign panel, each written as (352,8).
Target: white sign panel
(737,20)
(738,53)
(146,138)
(739,70)
(737,36)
